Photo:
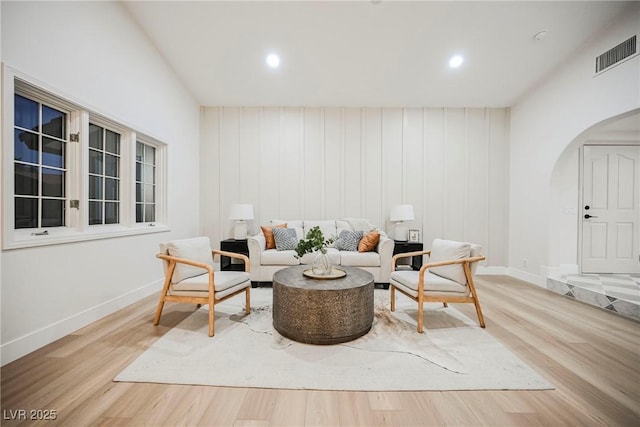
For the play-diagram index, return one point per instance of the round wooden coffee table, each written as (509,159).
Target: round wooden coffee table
(322,311)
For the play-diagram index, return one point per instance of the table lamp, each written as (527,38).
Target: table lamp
(240,213)
(399,214)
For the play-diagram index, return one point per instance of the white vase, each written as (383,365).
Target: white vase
(321,265)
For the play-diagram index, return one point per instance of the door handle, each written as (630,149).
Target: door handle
(587,216)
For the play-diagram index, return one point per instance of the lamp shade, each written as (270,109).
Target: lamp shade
(241,212)
(402,213)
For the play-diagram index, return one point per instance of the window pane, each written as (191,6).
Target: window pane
(95,136)
(111,213)
(95,187)
(139,212)
(139,172)
(52,213)
(139,152)
(149,175)
(95,162)
(149,194)
(112,143)
(25,146)
(26,180)
(52,152)
(95,213)
(149,213)
(111,165)
(149,154)
(111,189)
(138,192)
(26,213)
(52,182)
(26,113)
(53,122)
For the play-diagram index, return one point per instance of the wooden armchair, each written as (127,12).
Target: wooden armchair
(447,277)
(190,277)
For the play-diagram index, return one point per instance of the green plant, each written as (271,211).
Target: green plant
(314,241)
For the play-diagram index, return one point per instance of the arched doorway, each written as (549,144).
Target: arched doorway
(569,247)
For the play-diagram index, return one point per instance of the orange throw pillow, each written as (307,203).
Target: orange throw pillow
(369,241)
(268,235)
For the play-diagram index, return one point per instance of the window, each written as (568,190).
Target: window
(71,174)
(39,146)
(145,183)
(104,176)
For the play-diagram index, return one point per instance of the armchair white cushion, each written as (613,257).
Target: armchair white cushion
(197,249)
(445,250)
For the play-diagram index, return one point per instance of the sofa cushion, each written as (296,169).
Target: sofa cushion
(286,239)
(296,224)
(369,241)
(348,240)
(359,259)
(275,257)
(333,253)
(268,234)
(360,224)
(342,225)
(447,250)
(197,249)
(328,227)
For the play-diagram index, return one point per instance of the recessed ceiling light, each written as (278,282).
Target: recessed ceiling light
(273,60)
(456,61)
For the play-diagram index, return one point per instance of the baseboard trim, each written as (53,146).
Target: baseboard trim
(32,341)
(527,277)
(492,270)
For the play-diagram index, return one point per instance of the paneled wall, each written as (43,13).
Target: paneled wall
(319,163)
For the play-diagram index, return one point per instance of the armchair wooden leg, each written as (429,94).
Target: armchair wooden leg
(392,297)
(420,316)
(156,319)
(212,317)
(247,303)
(474,295)
(479,311)
(163,294)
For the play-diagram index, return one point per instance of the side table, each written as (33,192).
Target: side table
(404,247)
(235,246)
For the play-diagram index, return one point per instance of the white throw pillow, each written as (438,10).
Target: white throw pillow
(447,250)
(360,224)
(197,249)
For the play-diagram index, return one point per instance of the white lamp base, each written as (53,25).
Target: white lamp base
(401,232)
(240,230)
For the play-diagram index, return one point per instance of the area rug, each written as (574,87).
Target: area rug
(453,353)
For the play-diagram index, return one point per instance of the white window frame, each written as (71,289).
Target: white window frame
(77,226)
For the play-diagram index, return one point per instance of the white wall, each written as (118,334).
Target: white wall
(319,163)
(95,54)
(543,124)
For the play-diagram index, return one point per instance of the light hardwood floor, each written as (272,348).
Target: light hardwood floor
(591,356)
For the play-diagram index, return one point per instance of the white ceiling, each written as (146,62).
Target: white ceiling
(368,53)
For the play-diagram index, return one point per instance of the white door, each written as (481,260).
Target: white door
(611,209)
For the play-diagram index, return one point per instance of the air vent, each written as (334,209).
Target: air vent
(616,54)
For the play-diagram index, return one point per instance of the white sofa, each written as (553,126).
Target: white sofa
(265,262)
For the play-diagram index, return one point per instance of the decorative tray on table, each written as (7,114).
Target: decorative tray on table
(336,273)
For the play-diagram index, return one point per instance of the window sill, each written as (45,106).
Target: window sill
(75,236)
